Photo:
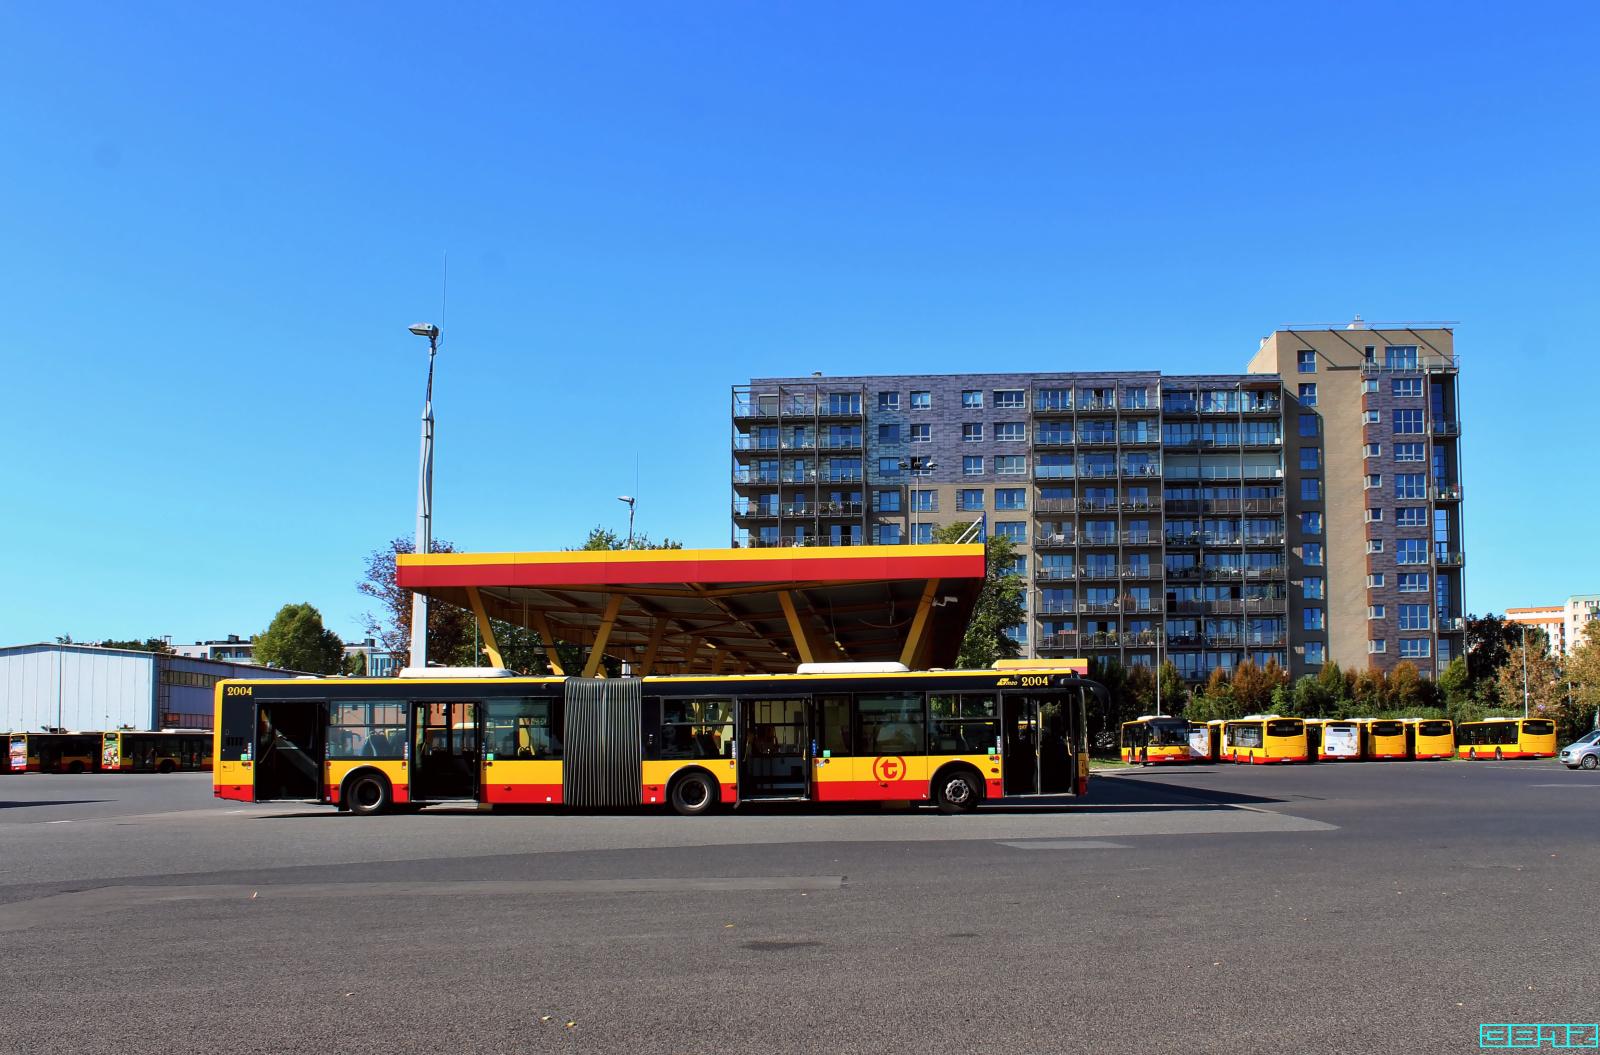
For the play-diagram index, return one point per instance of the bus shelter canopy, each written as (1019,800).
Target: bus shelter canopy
(719,610)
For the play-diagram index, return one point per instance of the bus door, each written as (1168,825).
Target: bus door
(445,755)
(1037,742)
(775,748)
(290,739)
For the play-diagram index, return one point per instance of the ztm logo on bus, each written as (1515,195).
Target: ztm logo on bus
(889,769)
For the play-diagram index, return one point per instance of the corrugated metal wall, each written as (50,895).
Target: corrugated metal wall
(59,686)
(604,753)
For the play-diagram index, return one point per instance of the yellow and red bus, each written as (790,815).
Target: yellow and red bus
(1153,739)
(54,752)
(1382,738)
(163,751)
(829,733)
(1332,740)
(1430,738)
(1264,738)
(1507,738)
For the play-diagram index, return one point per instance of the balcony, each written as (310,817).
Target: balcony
(1055,642)
(1053,439)
(1235,506)
(1224,572)
(1141,639)
(1270,571)
(1224,640)
(1261,640)
(1430,364)
(800,443)
(1248,606)
(743,441)
(1182,538)
(1098,438)
(1137,505)
(835,476)
(1141,571)
(1056,505)
(1179,403)
(1053,472)
(798,509)
(1263,540)
(840,509)
(1138,437)
(1100,607)
(742,475)
(1184,573)
(1056,541)
(757,512)
(1186,641)
(1447,493)
(1257,440)
(1142,470)
(1097,472)
(1097,403)
(1053,575)
(1446,428)
(1451,625)
(1135,538)
(1098,641)
(1135,402)
(838,443)
(1056,608)
(1097,538)
(1448,560)
(1099,571)
(1261,404)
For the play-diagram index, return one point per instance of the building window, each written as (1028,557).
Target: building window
(1375,515)
(1311,553)
(1016,566)
(925,501)
(1009,399)
(1410,452)
(1407,388)
(1052,399)
(972,466)
(969,501)
(888,401)
(1314,653)
(1400,358)
(1311,523)
(1411,516)
(972,400)
(888,433)
(922,434)
(888,466)
(1410,485)
(1375,581)
(971,433)
(1312,588)
(1308,362)
(1374,480)
(1413,617)
(1015,530)
(1411,551)
(1310,489)
(886,501)
(1408,423)
(1415,647)
(1372,450)
(1011,498)
(1374,611)
(922,534)
(1311,618)
(1371,417)
(921,400)
(1377,644)
(1374,545)
(1370,386)
(1310,459)
(1010,432)
(1308,395)
(1018,633)
(1308,424)
(1011,465)
(1412,582)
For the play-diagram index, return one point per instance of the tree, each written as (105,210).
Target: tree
(1583,672)
(1253,686)
(999,607)
(355,664)
(1546,687)
(297,640)
(1455,684)
(1174,692)
(1410,691)
(605,539)
(1214,700)
(1335,684)
(149,644)
(449,627)
(1489,644)
(1311,697)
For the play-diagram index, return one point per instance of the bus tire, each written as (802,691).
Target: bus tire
(367,793)
(166,765)
(75,767)
(1589,762)
(695,793)
(958,789)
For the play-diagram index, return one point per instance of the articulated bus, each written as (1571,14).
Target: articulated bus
(54,752)
(830,733)
(167,751)
(1262,738)
(1507,738)
(1430,738)
(1153,739)
(1382,738)
(1331,740)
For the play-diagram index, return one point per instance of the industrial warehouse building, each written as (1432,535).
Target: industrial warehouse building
(51,686)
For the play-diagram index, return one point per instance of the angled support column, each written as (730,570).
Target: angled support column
(919,625)
(597,651)
(797,628)
(551,656)
(689,655)
(484,628)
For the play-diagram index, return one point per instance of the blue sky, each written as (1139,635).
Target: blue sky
(217,220)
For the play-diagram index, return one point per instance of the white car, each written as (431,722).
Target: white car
(1582,753)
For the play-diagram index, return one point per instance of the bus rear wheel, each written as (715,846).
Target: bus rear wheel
(694,794)
(166,765)
(957,792)
(75,767)
(368,794)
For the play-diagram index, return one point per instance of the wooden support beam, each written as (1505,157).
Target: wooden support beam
(656,633)
(919,624)
(485,629)
(597,651)
(720,656)
(800,630)
(689,655)
(551,656)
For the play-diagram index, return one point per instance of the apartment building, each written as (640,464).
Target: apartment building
(1198,518)
(1564,624)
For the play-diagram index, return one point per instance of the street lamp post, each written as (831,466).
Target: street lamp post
(630,500)
(1524,670)
(419,603)
(915,465)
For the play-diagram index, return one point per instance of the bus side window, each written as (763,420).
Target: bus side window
(835,714)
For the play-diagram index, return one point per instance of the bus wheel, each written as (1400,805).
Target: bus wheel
(694,794)
(957,791)
(1472,754)
(367,793)
(75,767)
(166,765)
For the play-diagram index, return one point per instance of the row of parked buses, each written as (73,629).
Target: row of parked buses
(163,751)
(1264,738)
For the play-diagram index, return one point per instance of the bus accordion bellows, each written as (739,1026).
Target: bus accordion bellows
(1507,738)
(1264,738)
(954,738)
(1153,739)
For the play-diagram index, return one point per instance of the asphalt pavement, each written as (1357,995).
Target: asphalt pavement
(1375,907)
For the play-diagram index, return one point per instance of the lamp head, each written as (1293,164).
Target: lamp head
(625,498)
(425,329)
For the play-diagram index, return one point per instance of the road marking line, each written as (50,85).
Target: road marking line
(1066,844)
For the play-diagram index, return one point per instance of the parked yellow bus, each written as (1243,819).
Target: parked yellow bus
(1430,738)
(1216,729)
(1382,738)
(1155,739)
(1332,740)
(1507,738)
(1262,738)
(54,752)
(842,733)
(166,751)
